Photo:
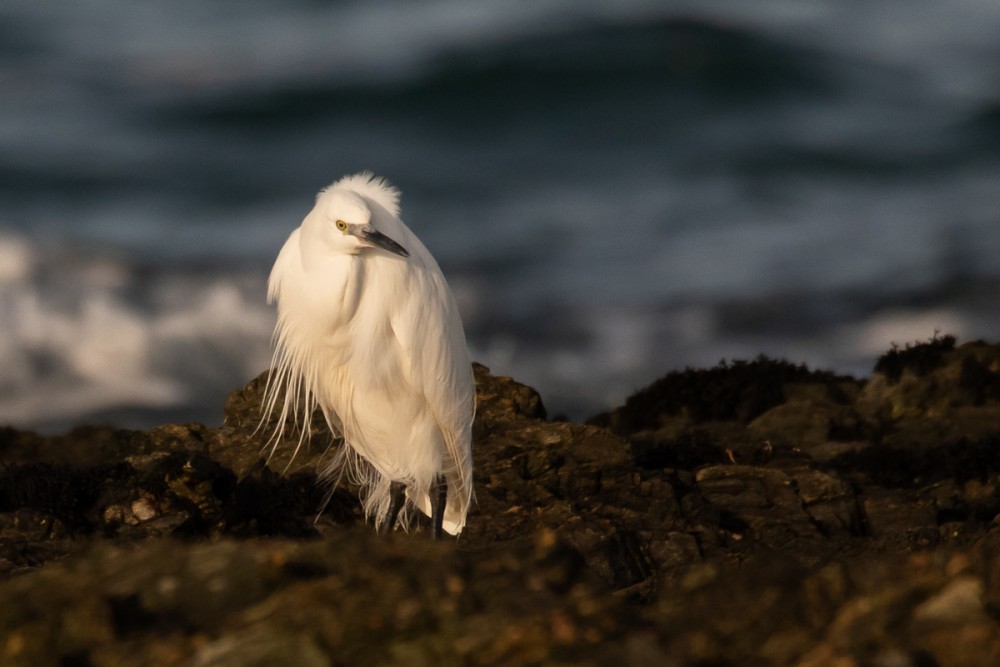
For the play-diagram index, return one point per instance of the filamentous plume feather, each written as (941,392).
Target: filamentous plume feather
(369,332)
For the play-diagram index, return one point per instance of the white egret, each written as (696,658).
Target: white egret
(369,332)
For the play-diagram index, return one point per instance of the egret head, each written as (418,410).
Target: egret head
(343,221)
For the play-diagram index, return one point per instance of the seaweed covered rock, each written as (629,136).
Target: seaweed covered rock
(732,391)
(924,394)
(753,513)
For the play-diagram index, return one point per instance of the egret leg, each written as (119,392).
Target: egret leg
(440,500)
(397,496)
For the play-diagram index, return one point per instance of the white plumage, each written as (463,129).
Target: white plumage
(369,332)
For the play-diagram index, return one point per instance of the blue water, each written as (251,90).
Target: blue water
(614,189)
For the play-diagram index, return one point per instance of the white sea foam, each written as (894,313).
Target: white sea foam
(90,338)
(85,337)
(16,260)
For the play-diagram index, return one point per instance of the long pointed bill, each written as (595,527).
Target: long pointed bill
(377,239)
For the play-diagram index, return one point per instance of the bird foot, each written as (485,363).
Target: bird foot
(397,496)
(437,511)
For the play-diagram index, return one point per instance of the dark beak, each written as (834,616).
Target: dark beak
(380,240)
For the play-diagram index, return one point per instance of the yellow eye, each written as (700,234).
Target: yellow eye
(342,226)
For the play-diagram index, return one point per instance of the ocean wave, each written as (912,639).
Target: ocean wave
(613,189)
(90,338)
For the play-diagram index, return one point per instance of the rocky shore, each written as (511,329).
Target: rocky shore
(755,513)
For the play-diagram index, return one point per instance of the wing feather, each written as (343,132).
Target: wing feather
(430,331)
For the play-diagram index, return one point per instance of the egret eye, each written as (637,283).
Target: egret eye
(342,226)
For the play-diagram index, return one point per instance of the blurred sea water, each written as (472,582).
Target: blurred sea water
(613,189)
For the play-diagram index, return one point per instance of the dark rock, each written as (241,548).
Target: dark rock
(908,610)
(500,400)
(919,359)
(753,513)
(737,391)
(951,394)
